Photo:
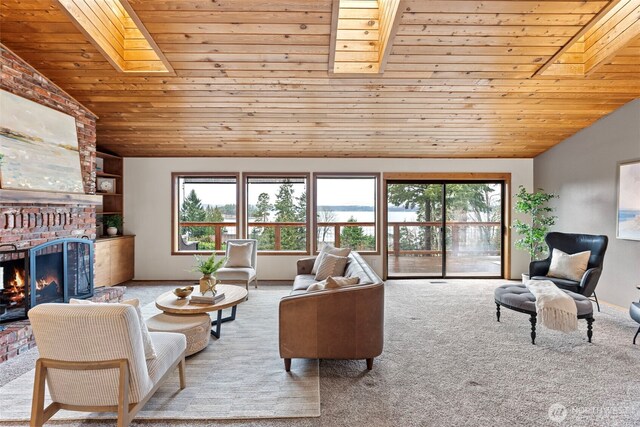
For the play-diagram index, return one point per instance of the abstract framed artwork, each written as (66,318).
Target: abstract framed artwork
(38,147)
(629,200)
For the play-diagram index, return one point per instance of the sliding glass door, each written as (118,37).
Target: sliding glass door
(444,229)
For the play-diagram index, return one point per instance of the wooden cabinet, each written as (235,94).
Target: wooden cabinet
(114,260)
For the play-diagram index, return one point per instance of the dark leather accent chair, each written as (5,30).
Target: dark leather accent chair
(572,244)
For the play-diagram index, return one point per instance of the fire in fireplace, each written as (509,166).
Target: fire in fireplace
(52,272)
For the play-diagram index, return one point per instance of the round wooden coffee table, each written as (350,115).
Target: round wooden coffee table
(233,295)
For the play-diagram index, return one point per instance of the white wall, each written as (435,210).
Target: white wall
(148,202)
(582,171)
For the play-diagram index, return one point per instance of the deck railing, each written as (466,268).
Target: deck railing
(336,229)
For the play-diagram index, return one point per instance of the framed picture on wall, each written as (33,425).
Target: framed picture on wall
(629,200)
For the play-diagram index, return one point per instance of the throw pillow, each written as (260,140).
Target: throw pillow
(328,249)
(331,265)
(239,255)
(565,266)
(318,286)
(338,282)
(147,343)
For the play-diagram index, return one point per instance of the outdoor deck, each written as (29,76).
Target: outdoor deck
(472,266)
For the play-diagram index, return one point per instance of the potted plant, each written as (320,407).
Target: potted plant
(113,223)
(536,227)
(208,267)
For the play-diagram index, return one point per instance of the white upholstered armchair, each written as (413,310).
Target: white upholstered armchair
(244,274)
(93,360)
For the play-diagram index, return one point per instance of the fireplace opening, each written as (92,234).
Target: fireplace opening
(52,272)
(48,276)
(13,296)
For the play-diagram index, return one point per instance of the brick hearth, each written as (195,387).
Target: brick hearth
(17,337)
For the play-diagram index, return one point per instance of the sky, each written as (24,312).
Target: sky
(360,192)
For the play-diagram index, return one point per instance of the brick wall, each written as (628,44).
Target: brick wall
(28,224)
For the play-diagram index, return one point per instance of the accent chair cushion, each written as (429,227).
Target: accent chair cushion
(239,255)
(338,282)
(149,350)
(169,346)
(566,266)
(329,249)
(331,265)
(235,273)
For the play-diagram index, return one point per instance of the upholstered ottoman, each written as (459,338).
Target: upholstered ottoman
(518,298)
(196,327)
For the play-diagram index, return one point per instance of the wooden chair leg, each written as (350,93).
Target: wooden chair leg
(181,373)
(123,396)
(370,363)
(287,365)
(255,283)
(37,404)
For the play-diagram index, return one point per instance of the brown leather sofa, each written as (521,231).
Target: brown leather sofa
(344,323)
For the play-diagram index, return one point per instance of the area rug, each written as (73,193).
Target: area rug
(238,376)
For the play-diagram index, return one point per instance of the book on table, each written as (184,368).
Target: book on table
(206,299)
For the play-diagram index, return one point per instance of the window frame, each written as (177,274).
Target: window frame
(245,207)
(175,206)
(342,175)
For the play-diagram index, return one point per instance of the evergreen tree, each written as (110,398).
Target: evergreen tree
(291,238)
(354,237)
(264,235)
(193,211)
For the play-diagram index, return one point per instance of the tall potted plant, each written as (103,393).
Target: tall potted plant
(536,227)
(208,267)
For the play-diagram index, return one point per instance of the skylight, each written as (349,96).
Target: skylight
(115,30)
(362,31)
(614,28)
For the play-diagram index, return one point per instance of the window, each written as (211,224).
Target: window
(277,212)
(205,211)
(346,208)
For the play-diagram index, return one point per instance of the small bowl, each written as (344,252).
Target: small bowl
(183,292)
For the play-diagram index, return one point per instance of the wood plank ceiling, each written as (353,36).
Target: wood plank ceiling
(251,79)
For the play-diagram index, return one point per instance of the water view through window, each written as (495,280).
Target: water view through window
(451,229)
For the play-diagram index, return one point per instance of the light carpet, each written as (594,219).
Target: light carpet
(238,376)
(447,362)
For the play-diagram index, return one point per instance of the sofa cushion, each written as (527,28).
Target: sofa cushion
(303,281)
(338,282)
(329,249)
(331,265)
(169,347)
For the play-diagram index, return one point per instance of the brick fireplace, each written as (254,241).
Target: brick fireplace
(33,219)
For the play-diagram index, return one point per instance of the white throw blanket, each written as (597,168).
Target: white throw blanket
(555,309)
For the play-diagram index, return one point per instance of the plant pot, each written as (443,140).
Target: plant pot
(112,231)
(525,278)
(207,283)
